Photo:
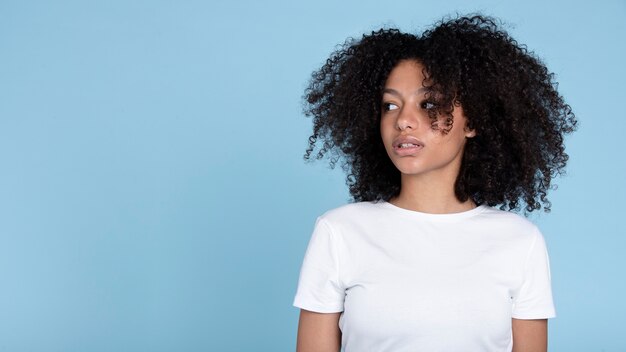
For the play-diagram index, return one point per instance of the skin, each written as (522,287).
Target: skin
(318,332)
(530,335)
(428,173)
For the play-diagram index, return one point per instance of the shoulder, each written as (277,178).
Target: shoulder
(507,217)
(507,223)
(351,212)
(353,219)
(347,223)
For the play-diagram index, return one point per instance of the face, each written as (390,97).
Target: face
(414,146)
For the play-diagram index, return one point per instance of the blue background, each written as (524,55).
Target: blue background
(153,195)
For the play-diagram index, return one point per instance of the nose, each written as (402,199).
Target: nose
(408,118)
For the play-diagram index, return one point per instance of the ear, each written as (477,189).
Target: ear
(470,133)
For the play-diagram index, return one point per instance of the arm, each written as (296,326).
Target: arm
(318,332)
(530,335)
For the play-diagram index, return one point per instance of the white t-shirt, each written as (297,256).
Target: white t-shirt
(410,281)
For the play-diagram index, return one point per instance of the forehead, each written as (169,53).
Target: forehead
(406,77)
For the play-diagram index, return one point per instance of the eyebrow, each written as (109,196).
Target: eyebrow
(395,92)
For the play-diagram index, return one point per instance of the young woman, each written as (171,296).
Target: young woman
(434,131)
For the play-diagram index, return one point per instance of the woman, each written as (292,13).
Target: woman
(434,132)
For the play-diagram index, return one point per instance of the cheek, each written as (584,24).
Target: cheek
(384,131)
(387,126)
(383,126)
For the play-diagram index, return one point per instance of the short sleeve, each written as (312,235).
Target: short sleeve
(319,288)
(534,298)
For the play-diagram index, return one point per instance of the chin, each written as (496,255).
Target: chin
(408,168)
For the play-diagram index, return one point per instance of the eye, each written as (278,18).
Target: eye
(389,106)
(428,105)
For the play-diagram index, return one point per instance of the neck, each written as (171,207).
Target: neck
(430,195)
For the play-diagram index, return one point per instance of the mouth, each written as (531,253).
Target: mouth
(407,142)
(407,146)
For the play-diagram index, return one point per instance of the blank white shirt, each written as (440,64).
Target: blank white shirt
(410,281)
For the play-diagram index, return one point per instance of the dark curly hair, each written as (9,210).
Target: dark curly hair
(508,96)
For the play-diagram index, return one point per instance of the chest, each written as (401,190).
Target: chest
(427,288)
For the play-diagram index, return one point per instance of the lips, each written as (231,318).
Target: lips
(407,145)
(407,142)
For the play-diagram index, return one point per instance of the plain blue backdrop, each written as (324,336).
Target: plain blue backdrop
(153,195)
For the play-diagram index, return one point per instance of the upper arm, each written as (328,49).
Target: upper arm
(530,335)
(318,332)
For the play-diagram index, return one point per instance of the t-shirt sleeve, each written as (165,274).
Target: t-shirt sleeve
(534,298)
(319,287)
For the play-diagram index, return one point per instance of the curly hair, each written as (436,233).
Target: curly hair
(508,96)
